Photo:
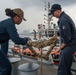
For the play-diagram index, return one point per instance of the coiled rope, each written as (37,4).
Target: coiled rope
(51,42)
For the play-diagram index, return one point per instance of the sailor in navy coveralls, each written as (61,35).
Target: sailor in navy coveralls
(68,39)
(8,31)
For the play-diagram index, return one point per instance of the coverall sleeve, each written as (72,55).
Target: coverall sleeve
(65,31)
(12,32)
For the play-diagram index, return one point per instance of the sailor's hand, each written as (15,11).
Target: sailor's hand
(29,39)
(55,36)
(29,43)
(58,50)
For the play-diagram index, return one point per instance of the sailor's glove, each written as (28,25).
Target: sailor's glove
(29,42)
(29,39)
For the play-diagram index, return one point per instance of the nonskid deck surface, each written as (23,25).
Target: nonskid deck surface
(46,68)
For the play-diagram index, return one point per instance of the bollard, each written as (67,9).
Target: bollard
(28,69)
(15,64)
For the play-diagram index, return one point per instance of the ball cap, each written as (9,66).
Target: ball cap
(19,12)
(54,7)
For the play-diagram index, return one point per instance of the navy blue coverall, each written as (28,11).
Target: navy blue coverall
(4,47)
(8,31)
(67,34)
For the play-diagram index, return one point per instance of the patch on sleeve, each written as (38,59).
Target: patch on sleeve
(63,27)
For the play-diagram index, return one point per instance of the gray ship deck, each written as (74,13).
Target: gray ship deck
(47,68)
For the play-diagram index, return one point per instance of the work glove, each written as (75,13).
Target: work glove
(29,41)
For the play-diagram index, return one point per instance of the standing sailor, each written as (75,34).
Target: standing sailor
(68,39)
(8,31)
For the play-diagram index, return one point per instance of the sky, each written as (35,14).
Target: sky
(34,11)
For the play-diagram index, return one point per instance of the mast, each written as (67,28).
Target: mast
(49,18)
(48,15)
